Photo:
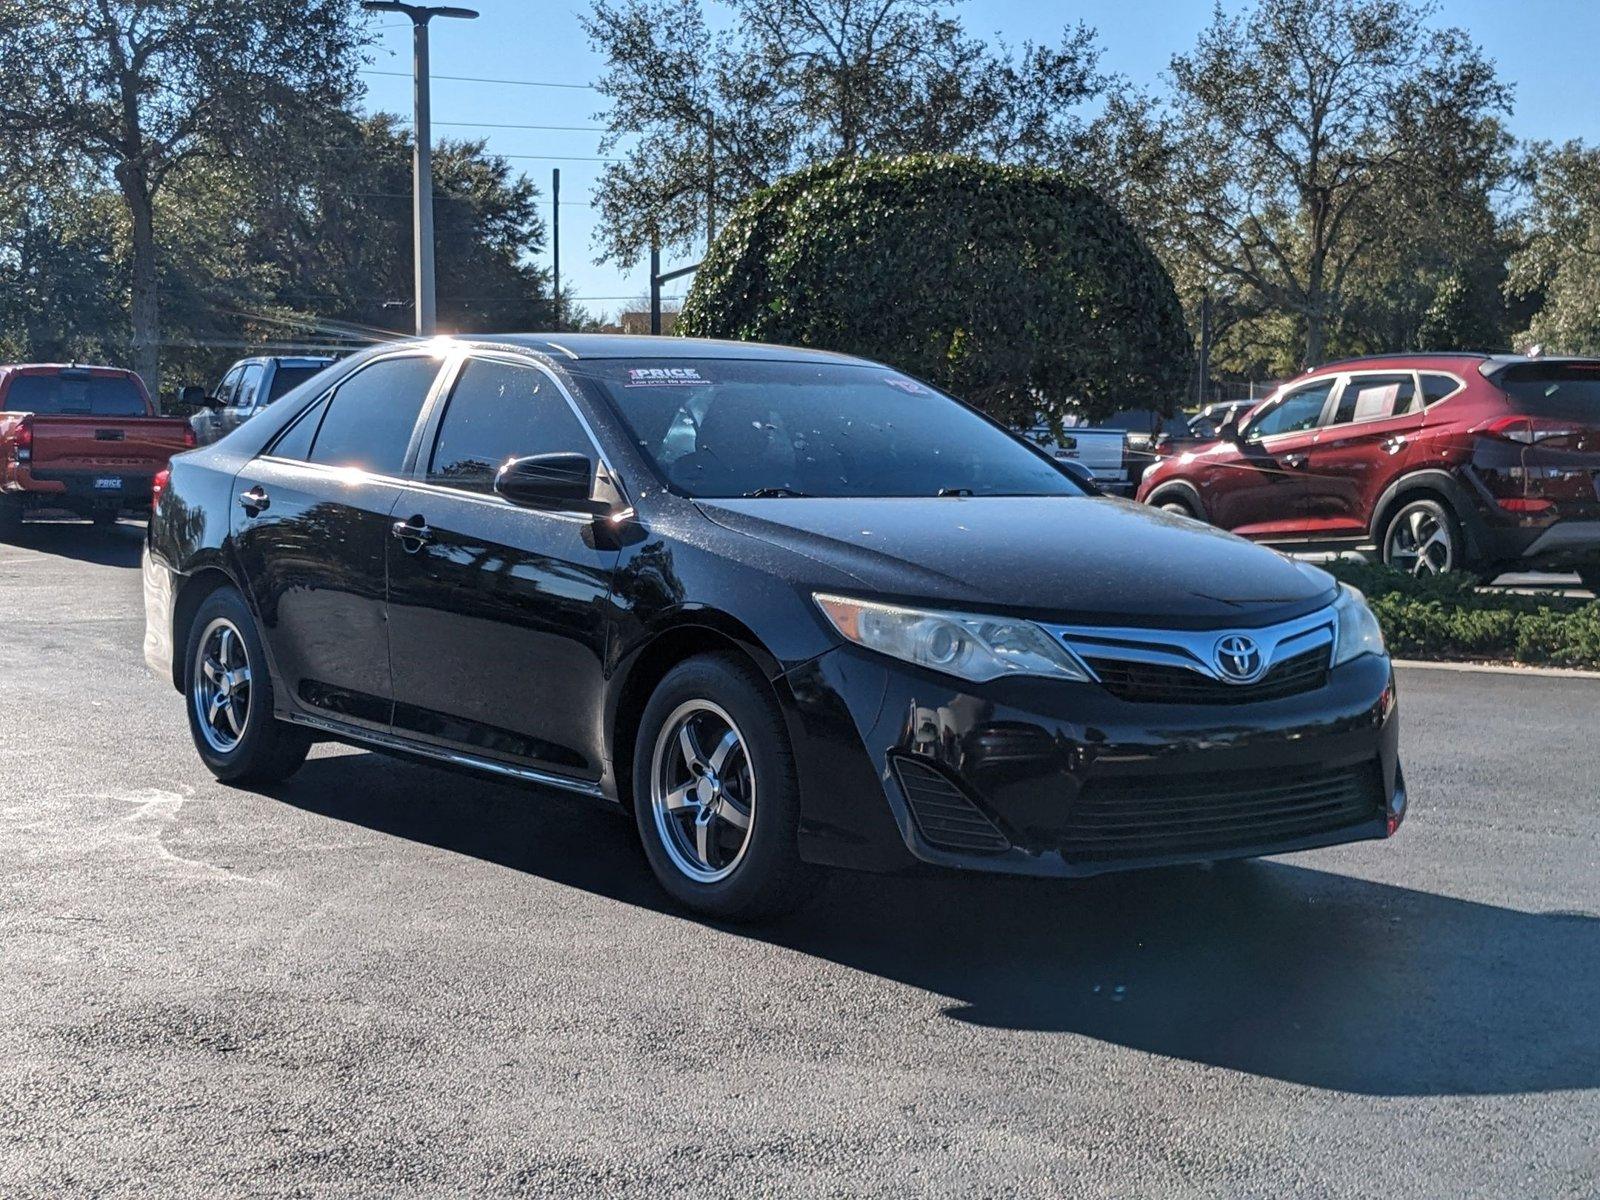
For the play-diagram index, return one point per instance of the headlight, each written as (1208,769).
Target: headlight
(1357,628)
(969,647)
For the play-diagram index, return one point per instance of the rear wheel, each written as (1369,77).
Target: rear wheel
(10,517)
(1590,577)
(1424,538)
(229,693)
(715,793)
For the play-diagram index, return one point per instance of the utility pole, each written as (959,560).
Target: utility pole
(422,151)
(655,285)
(555,238)
(1205,344)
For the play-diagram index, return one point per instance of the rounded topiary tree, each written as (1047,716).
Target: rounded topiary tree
(1016,288)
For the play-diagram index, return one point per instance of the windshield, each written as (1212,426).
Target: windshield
(1564,392)
(719,428)
(285,378)
(76,395)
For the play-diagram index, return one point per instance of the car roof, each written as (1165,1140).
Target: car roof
(578,346)
(48,368)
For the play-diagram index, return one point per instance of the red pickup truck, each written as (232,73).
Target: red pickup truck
(84,439)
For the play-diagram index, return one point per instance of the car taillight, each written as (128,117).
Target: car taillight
(189,439)
(22,440)
(158,487)
(1527,430)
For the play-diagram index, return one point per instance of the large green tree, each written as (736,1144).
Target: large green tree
(795,82)
(136,90)
(1558,262)
(1016,288)
(1305,147)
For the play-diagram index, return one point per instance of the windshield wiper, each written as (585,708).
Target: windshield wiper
(955,492)
(768,493)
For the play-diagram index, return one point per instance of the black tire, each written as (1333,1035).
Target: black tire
(103,518)
(1590,577)
(1423,537)
(1176,503)
(10,518)
(766,876)
(264,750)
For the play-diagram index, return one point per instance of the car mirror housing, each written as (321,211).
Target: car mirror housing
(562,482)
(1081,475)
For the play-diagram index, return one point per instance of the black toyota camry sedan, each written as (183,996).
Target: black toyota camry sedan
(790,609)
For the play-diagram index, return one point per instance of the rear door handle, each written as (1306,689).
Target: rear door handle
(413,534)
(1294,460)
(1395,444)
(255,500)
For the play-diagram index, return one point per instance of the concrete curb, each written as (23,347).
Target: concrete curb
(1498,669)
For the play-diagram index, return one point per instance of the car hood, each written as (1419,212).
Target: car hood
(1065,558)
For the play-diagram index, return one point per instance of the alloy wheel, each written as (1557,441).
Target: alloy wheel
(221,688)
(703,791)
(1421,544)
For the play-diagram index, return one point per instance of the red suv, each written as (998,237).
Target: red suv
(1437,462)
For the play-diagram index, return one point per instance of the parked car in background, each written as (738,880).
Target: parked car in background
(1433,462)
(1207,424)
(789,609)
(83,439)
(247,388)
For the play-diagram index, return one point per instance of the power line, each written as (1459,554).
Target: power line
(555,128)
(577,87)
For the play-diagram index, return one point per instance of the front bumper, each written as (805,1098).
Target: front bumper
(901,767)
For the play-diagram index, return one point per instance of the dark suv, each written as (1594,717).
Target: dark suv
(1436,462)
(788,608)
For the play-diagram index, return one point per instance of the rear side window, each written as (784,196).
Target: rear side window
(69,395)
(1373,397)
(498,411)
(1563,391)
(1437,387)
(369,420)
(295,442)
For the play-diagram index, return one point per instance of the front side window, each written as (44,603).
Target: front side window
(1373,397)
(725,427)
(370,418)
(249,384)
(1295,413)
(500,411)
(229,385)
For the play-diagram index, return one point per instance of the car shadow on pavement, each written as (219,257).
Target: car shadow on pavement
(1268,967)
(117,546)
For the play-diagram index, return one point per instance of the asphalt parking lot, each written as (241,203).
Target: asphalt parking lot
(385,979)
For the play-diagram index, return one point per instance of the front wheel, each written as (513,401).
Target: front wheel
(1424,538)
(229,694)
(715,793)
(1590,578)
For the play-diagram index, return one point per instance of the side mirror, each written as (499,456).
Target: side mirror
(1081,475)
(553,482)
(192,394)
(1228,431)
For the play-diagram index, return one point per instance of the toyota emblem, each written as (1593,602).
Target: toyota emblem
(1239,659)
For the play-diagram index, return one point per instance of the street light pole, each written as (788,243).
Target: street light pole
(422,150)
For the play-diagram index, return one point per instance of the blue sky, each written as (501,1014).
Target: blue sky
(1546,48)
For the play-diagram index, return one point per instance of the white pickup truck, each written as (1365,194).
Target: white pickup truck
(1102,452)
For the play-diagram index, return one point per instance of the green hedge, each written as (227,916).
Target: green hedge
(1016,288)
(1445,618)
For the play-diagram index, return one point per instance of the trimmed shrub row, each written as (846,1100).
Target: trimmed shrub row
(1446,619)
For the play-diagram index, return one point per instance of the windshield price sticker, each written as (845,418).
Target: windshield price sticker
(663,377)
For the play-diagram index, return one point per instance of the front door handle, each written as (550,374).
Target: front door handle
(413,534)
(255,500)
